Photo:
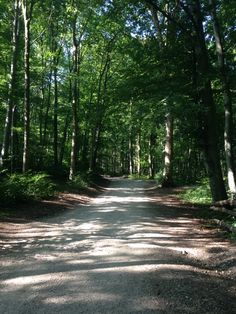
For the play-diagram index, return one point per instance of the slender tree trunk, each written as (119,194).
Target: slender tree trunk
(164,41)
(55,118)
(100,108)
(63,143)
(13,141)
(41,113)
(47,110)
(168,169)
(228,136)
(212,155)
(75,102)
(85,157)
(130,155)
(27,7)
(152,143)
(12,87)
(138,153)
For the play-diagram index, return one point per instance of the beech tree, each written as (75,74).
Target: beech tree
(27,9)
(228,129)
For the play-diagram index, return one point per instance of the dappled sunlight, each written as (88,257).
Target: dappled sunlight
(90,256)
(121,199)
(108,297)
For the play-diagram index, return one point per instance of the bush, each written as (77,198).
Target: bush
(199,194)
(21,188)
(81,181)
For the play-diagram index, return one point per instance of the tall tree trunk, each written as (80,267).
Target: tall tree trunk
(27,7)
(212,155)
(138,152)
(100,109)
(228,136)
(168,169)
(131,168)
(55,117)
(45,128)
(75,102)
(152,143)
(63,142)
(164,41)
(12,88)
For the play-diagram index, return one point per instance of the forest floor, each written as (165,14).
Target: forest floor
(132,249)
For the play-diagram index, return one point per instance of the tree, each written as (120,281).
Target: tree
(27,9)
(6,145)
(205,95)
(228,129)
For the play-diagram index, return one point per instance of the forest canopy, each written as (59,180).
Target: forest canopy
(142,88)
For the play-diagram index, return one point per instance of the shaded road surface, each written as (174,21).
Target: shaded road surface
(123,253)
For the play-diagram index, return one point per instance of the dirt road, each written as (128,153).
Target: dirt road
(123,253)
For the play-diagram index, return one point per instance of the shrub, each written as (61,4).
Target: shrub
(21,188)
(80,181)
(40,186)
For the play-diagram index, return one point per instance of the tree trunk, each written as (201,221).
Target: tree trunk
(27,14)
(55,116)
(12,88)
(47,110)
(212,155)
(63,142)
(228,136)
(138,153)
(168,169)
(152,143)
(75,102)
(100,108)
(130,155)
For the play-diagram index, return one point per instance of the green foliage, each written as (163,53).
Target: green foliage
(130,76)
(81,181)
(199,194)
(136,176)
(159,177)
(21,188)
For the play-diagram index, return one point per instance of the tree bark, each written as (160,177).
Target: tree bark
(63,143)
(55,115)
(228,128)
(100,109)
(12,88)
(27,7)
(138,152)
(45,128)
(209,133)
(75,102)
(152,143)
(168,168)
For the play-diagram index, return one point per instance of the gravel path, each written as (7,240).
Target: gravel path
(125,252)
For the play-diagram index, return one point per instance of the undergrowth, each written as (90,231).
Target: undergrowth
(18,188)
(198,194)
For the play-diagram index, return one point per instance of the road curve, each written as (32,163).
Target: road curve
(119,254)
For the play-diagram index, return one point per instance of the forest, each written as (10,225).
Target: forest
(136,88)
